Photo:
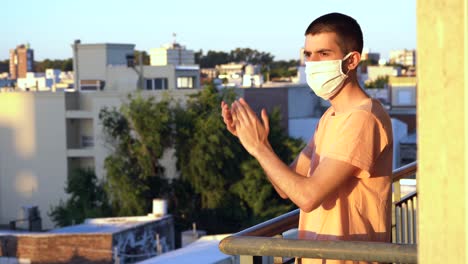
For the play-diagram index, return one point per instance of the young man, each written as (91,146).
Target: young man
(342,180)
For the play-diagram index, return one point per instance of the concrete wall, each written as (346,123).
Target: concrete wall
(302,102)
(442,70)
(117,53)
(121,78)
(151,72)
(91,62)
(269,98)
(180,57)
(33,162)
(93,59)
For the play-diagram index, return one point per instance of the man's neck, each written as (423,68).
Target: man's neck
(351,95)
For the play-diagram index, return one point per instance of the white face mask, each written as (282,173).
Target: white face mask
(325,78)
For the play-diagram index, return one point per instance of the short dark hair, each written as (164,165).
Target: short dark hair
(345,27)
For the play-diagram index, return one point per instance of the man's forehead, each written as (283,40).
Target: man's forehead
(321,41)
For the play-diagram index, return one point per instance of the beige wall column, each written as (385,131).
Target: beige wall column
(442,68)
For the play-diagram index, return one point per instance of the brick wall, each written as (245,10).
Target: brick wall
(67,248)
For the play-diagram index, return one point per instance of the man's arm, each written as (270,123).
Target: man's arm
(306,192)
(300,165)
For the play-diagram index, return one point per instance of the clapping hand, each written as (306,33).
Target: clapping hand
(252,133)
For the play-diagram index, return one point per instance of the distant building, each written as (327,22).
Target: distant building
(110,67)
(32,82)
(403,92)
(21,61)
(51,134)
(52,80)
(5,81)
(208,74)
(404,57)
(374,72)
(371,56)
(301,57)
(240,75)
(171,54)
(100,240)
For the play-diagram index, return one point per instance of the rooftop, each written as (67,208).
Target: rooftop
(107,225)
(204,250)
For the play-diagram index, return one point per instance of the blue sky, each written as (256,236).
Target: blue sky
(50,26)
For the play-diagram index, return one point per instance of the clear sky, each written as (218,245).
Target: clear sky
(50,26)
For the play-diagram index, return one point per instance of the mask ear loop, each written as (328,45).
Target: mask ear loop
(344,59)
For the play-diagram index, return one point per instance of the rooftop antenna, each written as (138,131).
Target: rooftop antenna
(174,36)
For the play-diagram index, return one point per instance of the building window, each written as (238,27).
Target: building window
(156,84)
(185,82)
(87,141)
(149,84)
(92,85)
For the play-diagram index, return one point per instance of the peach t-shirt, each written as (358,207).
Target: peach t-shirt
(360,210)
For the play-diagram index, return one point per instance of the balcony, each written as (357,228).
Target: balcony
(266,243)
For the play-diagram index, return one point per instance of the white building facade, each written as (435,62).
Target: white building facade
(106,67)
(173,53)
(404,57)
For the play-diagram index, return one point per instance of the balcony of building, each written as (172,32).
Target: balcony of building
(80,137)
(275,241)
(78,103)
(84,163)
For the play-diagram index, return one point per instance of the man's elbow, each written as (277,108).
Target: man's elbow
(308,205)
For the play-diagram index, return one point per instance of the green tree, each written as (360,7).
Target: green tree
(283,68)
(138,134)
(221,187)
(254,188)
(250,56)
(145,56)
(211,59)
(206,157)
(380,82)
(63,65)
(230,187)
(87,199)
(4,66)
(209,158)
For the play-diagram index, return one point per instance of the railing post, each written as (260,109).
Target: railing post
(250,259)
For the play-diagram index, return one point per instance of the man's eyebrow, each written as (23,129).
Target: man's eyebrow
(323,50)
(307,52)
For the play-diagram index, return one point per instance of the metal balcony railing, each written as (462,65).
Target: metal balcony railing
(265,239)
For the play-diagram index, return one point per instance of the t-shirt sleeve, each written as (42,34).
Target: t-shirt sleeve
(360,139)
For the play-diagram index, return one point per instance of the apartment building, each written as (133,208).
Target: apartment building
(173,53)
(21,61)
(44,135)
(110,67)
(404,57)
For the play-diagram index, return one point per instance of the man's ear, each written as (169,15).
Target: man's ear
(353,61)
